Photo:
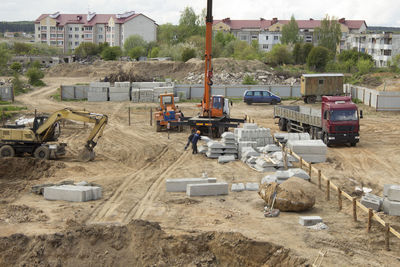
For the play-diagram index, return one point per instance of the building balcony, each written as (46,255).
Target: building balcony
(380,46)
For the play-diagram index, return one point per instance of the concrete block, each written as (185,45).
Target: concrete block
(394,193)
(391,207)
(211,155)
(386,189)
(180,185)
(300,173)
(214,144)
(212,189)
(228,135)
(230,150)
(307,146)
(252,186)
(216,150)
(272,148)
(97,97)
(313,158)
(269,179)
(72,193)
(226,159)
(250,126)
(122,84)
(309,220)
(237,187)
(371,202)
(119,96)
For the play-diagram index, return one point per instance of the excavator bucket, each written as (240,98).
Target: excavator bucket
(86,155)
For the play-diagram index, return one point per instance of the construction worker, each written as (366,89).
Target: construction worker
(190,138)
(195,139)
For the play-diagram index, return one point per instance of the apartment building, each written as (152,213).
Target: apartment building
(269,32)
(68,31)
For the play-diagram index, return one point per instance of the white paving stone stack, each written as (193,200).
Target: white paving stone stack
(230,145)
(310,150)
(391,202)
(98,91)
(215,149)
(146,95)
(120,91)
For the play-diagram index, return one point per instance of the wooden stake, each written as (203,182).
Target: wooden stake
(301,163)
(339,198)
(319,179)
(84,123)
(129,116)
(354,209)
(387,232)
(151,116)
(370,214)
(328,189)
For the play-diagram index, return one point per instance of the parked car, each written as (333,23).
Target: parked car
(260,96)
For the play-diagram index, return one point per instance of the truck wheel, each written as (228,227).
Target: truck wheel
(7,151)
(274,102)
(326,140)
(158,126)
(42,152)
(249,102)
(282,124)
(311,99)
(353,144)
(288,126)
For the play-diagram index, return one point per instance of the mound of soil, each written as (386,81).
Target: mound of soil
(295,194)
(140,243)
(21,214)
(27,168)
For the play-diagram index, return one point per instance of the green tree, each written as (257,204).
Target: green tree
(167,33)
(16,67)
(35,64)
(328,35)
(136,52)
(134,41)
(188,53)
(5,56)
(34,76)
(290,32)
(279,55)
(364,66)
(306,49)
(154,52)
(22,48)
(18,85)
(111,53)
(298,54)
(86,49)
(188,24)
(318,58)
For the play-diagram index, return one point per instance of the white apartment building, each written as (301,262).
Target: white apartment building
(68,31)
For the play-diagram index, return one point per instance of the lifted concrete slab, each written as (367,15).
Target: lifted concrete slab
(214,189)
(180,185)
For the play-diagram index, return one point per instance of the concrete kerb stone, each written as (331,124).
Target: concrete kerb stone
(214,189)
(309,220)
(252,186)
(180,185)
(237,187)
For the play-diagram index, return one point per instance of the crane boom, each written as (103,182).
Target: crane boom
(206,103)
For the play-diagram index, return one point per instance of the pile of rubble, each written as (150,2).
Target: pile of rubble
(224,77)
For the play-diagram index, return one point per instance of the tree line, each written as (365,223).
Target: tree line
(17,26)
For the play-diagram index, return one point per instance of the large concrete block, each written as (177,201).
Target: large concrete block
(97,97)
(226,159)
(228,135)
(394,193)
(371,201)
(214,144)
(313,158)
(120,90)
(215,189)
(237,187)
(307,146)
(391,207)
(250,126)
(180,185)
(72,193)
(309,220)
(119,97)
(386,189)
(122,84)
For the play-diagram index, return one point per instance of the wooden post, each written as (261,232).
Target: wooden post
(129,116)
(84,123)
(339,198)
(285,162)
(319,179)
(328,189)
(354,209)
(387,232)
(151,116)
(370,214)
(35,113)
(301,163)
(3,116)
(309,170)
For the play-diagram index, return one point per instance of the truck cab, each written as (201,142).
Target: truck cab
(339,120)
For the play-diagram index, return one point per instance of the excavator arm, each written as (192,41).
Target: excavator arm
(45,131)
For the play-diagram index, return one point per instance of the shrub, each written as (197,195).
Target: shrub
(279,55)
(318,58)
(16,67)
(154,52)
(86,49)
(35,75)
(111,53)
(249,80)
(364,66)
(17,85)
(136,52)
(188,53)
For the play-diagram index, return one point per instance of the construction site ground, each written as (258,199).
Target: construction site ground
(132,165)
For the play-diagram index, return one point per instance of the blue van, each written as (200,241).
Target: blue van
(260,96)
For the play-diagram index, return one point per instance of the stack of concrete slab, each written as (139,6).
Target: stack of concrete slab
(230,145)
(285,137)
(248,152)
(264,164)
(98,91)
(180,185)
(162,90)
(310,150)
(243,146)
(281,176)
(269,148)
(391,201)
(215,149)
(72,193)
(135,95)
(146,95)
(120,91)
(251,132)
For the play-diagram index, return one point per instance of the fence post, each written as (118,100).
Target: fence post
(377,102)
(328,189)
(129,116)
(370,214)
(387,232)
(354,209)
(151,116)
(339,198)
(319,179)
(226,91)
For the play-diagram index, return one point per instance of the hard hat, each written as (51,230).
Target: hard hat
(198,132)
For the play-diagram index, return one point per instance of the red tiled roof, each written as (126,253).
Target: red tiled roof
(303,24)
(64,19)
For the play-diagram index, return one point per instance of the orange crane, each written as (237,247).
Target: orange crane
(214,117)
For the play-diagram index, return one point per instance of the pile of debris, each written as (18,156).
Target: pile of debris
(263,77)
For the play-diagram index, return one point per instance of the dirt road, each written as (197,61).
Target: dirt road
(134,161)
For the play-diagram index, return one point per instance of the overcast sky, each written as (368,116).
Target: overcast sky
(376,13)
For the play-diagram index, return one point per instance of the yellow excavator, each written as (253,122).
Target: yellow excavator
(38,141)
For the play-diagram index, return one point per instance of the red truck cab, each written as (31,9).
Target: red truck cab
(340,120)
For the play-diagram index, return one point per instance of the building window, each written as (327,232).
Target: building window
(387,52)
(43,28)
(70,43)
(38,28)
(60,28)
(266,37)
(100,36)
(254,37)
(76,29)
(88,36)
(265,46)
(243,37)
(60,35)
(76,43)
(320,81)
(70,29)
(52,35)
(52,28)
(44,35)
(53,42)
(276,38)
(77,36)
(69,35)
(60,42)
(100,29)
(88,28)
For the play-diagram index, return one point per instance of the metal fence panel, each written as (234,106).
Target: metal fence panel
(7,93)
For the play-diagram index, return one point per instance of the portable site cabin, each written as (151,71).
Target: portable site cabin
(314,86)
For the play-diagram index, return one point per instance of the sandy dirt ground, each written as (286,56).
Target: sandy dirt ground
(134,161)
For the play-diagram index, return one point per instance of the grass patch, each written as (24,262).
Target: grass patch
(4,102)
(356,101)
(6,112)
